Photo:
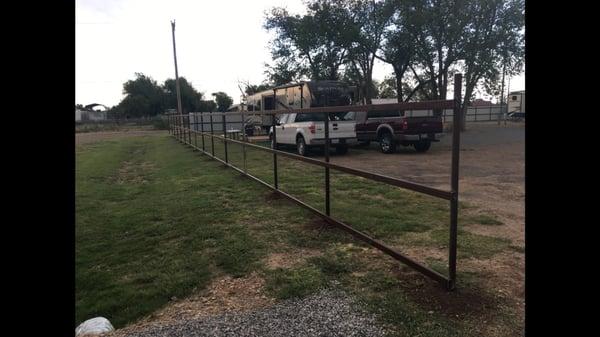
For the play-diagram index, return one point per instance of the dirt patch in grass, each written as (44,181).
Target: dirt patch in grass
(432,296)
(504,275)
(223,295)
(134,173)
(290,259)
(272,195)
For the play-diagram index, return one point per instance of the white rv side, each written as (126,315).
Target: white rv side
(516,101)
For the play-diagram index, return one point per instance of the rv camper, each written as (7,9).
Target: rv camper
(305,94)
(516,101)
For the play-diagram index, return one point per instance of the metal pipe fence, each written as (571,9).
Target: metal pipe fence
(474,114)
(180,127)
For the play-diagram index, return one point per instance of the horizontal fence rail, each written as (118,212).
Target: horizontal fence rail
(180,126)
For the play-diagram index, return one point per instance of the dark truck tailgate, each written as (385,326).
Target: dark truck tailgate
(424,124)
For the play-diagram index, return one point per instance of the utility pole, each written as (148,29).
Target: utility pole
(179,111)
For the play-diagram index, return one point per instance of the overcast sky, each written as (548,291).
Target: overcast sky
(218,43)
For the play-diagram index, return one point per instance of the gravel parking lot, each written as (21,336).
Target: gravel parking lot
(492,170)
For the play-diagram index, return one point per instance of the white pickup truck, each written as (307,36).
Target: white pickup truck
(305,131)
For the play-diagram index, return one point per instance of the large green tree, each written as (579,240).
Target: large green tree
(223,100)
(437,28)
(367,34)
(190,98)
(316,44)
(494,45)
(144,97)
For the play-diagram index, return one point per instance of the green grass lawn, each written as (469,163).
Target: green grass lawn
(155,220)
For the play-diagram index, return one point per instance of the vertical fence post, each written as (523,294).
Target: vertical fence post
(327,182)
(476,111)
(225,136)
(244,139)
(490,112)
(212,135)
(179,127)
(202,130)
(195,130)
(274,147)
(457,120)
(189,124)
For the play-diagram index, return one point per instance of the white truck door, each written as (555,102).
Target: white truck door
(288,132)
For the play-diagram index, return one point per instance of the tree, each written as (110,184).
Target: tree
(284,71)
(190,98)
(223,101)
(437,29)
(371,20)
(387,88)
(316,44)
(253,88)
(207,106)
(494,45)
(144,97)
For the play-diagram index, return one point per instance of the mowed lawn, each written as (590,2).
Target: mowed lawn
(155,220)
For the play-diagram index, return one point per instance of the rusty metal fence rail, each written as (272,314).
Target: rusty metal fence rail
(180,126)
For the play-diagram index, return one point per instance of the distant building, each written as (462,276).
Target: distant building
(89,114)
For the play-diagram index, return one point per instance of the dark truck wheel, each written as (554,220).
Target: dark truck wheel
(386,143)
(342,149)
(301,146)
(422,146)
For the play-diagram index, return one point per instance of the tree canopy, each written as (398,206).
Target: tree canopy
(145,97)
(425,41)
(223,101)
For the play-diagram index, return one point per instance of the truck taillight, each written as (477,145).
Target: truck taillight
(312,128)
(404,124)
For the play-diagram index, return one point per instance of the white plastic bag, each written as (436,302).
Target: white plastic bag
(94,326)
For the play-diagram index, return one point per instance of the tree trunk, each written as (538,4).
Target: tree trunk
(368,86)
(465,104)
(399,74)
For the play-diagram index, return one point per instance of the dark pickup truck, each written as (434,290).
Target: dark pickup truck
(390,128)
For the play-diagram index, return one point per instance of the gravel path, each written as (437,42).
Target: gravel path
(328,313)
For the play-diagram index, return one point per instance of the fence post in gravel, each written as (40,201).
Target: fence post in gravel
(457,119)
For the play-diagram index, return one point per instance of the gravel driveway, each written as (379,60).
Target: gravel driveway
(328,313)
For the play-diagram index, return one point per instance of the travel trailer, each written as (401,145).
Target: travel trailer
(516,101)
